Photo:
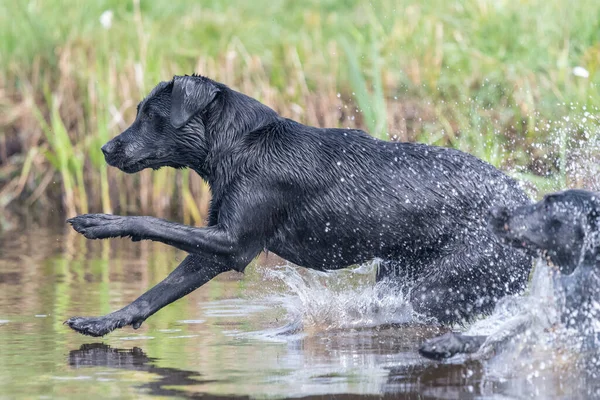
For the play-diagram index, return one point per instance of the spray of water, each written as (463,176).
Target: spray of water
(535,344)
(569,157)
(538,306)
(345,299)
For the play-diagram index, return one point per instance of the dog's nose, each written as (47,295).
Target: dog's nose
(498,217)
(108,148)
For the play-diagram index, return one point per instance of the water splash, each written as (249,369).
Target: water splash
(539,304)
(569,157)
(536,347)
(344,299)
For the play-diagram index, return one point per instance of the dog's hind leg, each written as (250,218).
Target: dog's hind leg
(470,281)
(450,344)
(480,347)
(192,273)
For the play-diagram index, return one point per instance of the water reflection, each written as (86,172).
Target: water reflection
(134,359)
(410,382)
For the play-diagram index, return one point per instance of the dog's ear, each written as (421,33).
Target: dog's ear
(190,95)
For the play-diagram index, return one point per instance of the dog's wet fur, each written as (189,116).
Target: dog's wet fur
(320,198)
(563,228)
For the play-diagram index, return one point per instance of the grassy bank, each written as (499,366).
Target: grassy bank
(493,77)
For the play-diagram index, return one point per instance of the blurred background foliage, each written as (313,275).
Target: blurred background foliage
(513,82)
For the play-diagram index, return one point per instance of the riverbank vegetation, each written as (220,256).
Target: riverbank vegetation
(513,82)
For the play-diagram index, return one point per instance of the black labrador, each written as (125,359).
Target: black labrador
(564,228)
(320,198)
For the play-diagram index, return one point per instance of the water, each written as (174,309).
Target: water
(543,350)
(270,333)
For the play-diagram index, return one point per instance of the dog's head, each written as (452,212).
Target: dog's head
(559,225)
(165,131)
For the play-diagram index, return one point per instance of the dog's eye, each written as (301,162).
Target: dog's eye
(148,116)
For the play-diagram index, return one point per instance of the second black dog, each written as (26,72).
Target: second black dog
(564,227)
(320,198)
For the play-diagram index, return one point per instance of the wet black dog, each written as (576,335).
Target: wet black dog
(564,228)
(320,198)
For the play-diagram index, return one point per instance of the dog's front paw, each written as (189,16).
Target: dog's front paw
(100,226)
(95,326)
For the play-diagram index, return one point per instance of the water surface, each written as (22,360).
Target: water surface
(263,334)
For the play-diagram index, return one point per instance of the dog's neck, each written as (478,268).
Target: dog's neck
(227,120)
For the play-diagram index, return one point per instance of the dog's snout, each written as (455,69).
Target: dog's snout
(108,148)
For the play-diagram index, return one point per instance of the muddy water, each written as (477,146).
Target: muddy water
(261,334)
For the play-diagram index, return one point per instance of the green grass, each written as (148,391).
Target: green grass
(492,77)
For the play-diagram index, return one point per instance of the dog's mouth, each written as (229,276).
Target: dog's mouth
(140,161)
(509,236)
(525,243)
(131,167)
(545,255)
(557,258)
